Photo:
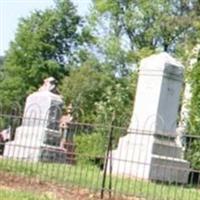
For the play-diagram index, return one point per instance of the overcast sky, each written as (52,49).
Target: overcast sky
(12,10)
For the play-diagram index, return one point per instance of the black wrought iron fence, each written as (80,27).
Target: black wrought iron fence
(108,160)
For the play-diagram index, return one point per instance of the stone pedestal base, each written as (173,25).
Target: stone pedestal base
(149,157)
(44,153)
(35,144)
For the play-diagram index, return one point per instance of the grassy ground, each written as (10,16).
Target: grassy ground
(8,194)
(86,176)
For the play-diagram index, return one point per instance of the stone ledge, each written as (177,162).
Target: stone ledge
(167,150)
(169,169)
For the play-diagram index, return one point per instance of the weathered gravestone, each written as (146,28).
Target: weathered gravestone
(149,150)
(38,137)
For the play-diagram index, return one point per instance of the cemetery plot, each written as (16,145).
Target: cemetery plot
(143,161)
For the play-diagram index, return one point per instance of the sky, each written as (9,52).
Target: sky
(12,10)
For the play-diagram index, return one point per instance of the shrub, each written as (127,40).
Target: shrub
(193,154)
(91,148)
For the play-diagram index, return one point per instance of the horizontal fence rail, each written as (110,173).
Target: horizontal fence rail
(107,160)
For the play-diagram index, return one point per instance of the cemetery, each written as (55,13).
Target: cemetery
(102,103)
(149,149)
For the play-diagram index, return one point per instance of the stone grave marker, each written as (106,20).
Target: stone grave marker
(38,137)
(149,150)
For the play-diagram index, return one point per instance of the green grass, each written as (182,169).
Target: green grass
(91,177)
(7,194)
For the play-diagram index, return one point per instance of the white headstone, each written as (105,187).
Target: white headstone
(41,109)
(38,137)
(158,93)
(149,150)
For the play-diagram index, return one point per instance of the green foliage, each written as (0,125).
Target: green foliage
(118,99)
(43,46)
(193,154)
(1,68)
(132,30)
(91,148)
(1,61)
(194,121)
(149,24)
(96,94)
(193,149)
(83,88)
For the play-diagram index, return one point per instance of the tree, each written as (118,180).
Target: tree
(83,88)
(95,94)
(135,29)
(1,68)
(43,46)
(1,61)
(193,143)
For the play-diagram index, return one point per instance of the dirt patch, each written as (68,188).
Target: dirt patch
(58,192)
